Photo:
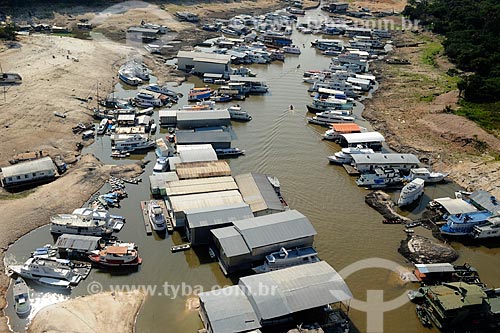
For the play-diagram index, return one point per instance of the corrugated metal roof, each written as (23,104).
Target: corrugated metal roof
(258,192)
(456,206)
(354,138)
(77,242)
(485,200)
(231,241)
(42,164)
(202,115)
(456,295)
(348,127)
(189,136)
(181,203)
(379,158)
(239,78)
(435,268)
(158,180)
(202,217)
(229,312)
(167,113)
(200,185)
(274,228)
(181,148)
(294,289)
(203,55)
(197,153)
(202,169)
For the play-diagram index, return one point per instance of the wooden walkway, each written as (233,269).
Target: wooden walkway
(351,171)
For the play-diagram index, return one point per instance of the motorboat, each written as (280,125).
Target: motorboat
(10,79)
(103,126)
(331,103)
(119,154)
(83,221)
(161,165)
(54,283)
(156,217)
(163,90)
(47,251)
(116,256)
(37,268)
(129,77)
(326,118)
(426,175)
(228,152)
(21,295)
(490,229)
(463,224)
(291,49)
(197,94)
(146,99)
(380,178)
(287,258)
(131,142)
(154,127)
(236,113)
(411,192)
(345,155)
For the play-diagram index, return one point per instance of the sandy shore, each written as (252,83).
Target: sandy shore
(108,313)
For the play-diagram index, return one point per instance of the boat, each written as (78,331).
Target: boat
(326,118)
(129,77)
(82,221)
(415,295)
(116,256)
(236,113)
(156,217)
(161,165)
(426,175)
(380,178)
(10,79)
(37,268)
(118,225)
(47,251)
(103,126)
(197,94)
(411,192)
(422,316)
(332,103)
(119,154)
(463,224)
(163,90)
(292,49)
(345,155)
(228,152)
(182,247)
(413,224)
(146,99)
(54,283)
(153,128)
(131,142)
(259,88)
(489,230)
(287,258)
(21,295)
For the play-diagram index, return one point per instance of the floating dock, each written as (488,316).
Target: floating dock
(166,213)
(351,171)
(147,225)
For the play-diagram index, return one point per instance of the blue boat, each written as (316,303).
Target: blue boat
(463,224)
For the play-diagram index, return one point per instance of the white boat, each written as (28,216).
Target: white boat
(236,113)
(47,251)
(129,143)
(411,192)
(161,165)
(156,217)
(345,155)
(129,77)
(426,175)
(153,128)
(10,79)
(291,49)
(380,178)
(490,229)
(326,118)
(259,88)
(101,129)
(21,295)
(82,221)
(287,258)
(147,99)
(54,283)
(37,268)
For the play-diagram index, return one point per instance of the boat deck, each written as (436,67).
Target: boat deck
(147,225)
(351,171)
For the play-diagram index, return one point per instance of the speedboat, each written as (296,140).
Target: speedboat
(156,217)
(426,175)
(411,192)
(116,256)
(228,152)
(287,258)
(345,155)
(21,295)
(161,164)
(236,113)
(380,178)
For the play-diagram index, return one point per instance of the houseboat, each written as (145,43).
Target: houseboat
(463,224)
(489,230)
(38,268)
(236,113)
(83,221)
(116,256)
(330,103)
(380,178)
(198,94)
(292,49)
(131,143)
(128,77)
(345,155)
(287,258)
(326,118)
(163,90)
(156,217)
(411,192)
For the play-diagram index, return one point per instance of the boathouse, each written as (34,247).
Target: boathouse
(249,241)
(259,193)
(200,221)
(196,153)
(370,162)
(202,118)
(372,140)
(218,138)
(247,306)
(201,63)
(28,172)
(76,245)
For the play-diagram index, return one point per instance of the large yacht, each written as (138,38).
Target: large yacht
(287,258)
(82,221)
(326,118)
(129,143)
(38,268)
(411,192)
(426,175)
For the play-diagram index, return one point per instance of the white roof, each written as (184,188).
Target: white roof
(355,138)
(42,164)
(202,200)
(456,206)
(330,91)
(204,56)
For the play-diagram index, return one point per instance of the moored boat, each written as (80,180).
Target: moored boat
(236,113)
(463,224)
(287,258)
(426,175)
(326,118)
(116,256)
(156,216)
(345,155)
(228,152)
(197,94)
(21,295)
(37,268)
(380,178)
(411,192)
(490,229)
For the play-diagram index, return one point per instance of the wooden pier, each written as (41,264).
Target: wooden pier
(351,171)
(147,225)
(166,213)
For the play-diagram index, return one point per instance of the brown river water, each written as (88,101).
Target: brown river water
(278,141)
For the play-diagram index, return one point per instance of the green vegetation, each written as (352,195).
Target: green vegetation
(485,114)
(8,32)
(432,50)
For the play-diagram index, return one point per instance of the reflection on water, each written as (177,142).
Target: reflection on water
(277,141)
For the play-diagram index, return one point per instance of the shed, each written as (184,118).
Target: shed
(202,118)
(217,138)
(200,185)
(485,201)
(202,62)
(191,170)
(370,162)
(259,193)
(28,172)
(200,221)
(455,206)
(158,182)
(370,139)
(197,153)
(168,117)
(67,244)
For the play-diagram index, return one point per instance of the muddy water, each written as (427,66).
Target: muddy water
(277,141)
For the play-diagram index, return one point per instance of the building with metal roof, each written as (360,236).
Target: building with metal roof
(70,245)
(196,153)
(189,170)
(259,193)
(158,182)
(370,162)
(200,185)
(273,297)
(202,62)
(217,138)
(369,139)
(485,201)
(182,203)
(455,206)
(202,118)
(168,117)
(28,172)
(250,240)
(200,221)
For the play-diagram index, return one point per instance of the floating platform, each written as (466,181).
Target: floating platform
(351,171)
(166,213)
(182,247)
(147,225)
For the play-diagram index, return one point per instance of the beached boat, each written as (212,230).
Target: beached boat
(287,258)
(463,224)
(156,217)
(10,79)
(345,155)
(21,295)
(229,152)
(236,113)
(54,283)
(145,99)
(411,192)
(163,90)
(37,268)
(380,178)
(129,77)
(426,175)
(116,256)
(198,94)
(161,165)
(326,118)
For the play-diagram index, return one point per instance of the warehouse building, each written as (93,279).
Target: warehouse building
(202,169)
(158,182)
(201,63)
(196,153)
(217,138)
(28,172)
(372,140)
(259,193)
(200,185)
(249,241)
(290,292)
(202,118)
(200,221)
(182,203)
(370,162)
(168,118)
